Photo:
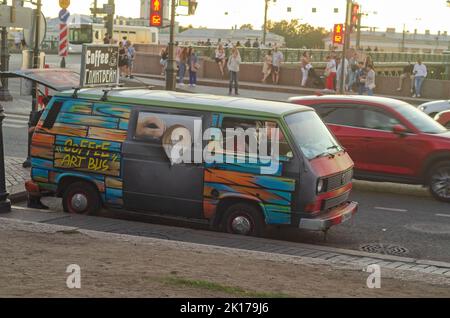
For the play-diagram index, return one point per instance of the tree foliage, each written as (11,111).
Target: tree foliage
(246,26)
(298,35)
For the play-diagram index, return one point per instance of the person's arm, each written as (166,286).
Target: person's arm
(425,71)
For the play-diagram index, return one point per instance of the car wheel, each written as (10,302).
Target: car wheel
(81,198)
(243,219)
(439,182)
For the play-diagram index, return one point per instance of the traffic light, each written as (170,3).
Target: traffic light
(192,7)
(156,13)
(355,16)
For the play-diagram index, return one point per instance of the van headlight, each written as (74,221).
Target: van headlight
(320,185)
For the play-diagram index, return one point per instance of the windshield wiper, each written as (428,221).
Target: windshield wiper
(323,154)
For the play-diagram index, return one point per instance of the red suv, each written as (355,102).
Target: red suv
(389,140)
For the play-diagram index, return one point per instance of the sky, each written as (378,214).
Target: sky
(414,14)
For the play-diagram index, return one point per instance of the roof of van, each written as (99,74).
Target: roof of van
(191,101)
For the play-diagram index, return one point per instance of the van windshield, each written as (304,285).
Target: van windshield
(311,135)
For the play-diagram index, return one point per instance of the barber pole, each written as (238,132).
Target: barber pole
(63,36)
(63,43)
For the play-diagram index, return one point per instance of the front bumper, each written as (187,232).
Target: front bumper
(335,216)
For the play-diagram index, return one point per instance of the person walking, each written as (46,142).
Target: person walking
(183,65)
(131,51)
(220,58)
(420,72)
(360,78)
(370,80)
(164,54)
(267,66)
(407,73)
(343,62)
(352,69)
(277,59)
(193,67)
(123,59)
(305,65)
(233,67)
(330,72)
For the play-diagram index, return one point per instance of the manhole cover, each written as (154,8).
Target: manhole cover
(387,249)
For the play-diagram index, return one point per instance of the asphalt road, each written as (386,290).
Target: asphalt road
(393,219)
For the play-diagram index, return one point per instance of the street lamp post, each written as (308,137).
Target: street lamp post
(345,46)
(4,91)
(34,89)
(5,204)
(171,69)
(266,8)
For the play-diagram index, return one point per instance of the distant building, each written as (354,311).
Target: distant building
(391,41)
(234,35)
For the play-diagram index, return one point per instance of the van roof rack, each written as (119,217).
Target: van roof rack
(124,88)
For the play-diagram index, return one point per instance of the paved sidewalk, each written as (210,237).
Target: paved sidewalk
(276,248)
(260,90)
(15,177)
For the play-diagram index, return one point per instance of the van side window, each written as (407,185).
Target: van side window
(252,130)
(52,115)
(157,127)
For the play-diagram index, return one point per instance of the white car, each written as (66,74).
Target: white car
(435,107)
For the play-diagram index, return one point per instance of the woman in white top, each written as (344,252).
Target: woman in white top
(370,80)
(420,72)
(220,58)
(233,67)
(305,67)
(267,66)
(330,72)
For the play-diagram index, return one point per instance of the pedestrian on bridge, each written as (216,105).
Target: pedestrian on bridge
(407,73)
(233,67)
(330,73)
(420,72)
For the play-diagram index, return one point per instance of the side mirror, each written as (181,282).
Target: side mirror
(399,130)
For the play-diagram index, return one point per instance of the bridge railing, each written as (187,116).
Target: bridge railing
(294,55)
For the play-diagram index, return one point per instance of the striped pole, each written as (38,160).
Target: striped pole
(63,36)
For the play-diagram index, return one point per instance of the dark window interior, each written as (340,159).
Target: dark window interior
(52,115)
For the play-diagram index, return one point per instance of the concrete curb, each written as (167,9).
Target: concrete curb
(328,255)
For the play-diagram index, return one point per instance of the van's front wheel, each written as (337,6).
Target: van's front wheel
(243,219)
(81,198)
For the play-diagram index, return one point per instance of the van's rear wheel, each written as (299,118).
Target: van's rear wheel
(439,181)
(243,219)
(81,198)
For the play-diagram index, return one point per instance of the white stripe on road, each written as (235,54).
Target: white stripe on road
(390,209)
(14,126)
(25,117)
(16,121)
(443,215)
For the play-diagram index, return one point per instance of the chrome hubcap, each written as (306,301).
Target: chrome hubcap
(79,202)
(241,225)
(440,183)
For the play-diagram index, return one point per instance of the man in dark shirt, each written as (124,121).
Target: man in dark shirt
(407,72)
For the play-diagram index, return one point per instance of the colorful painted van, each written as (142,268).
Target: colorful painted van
(98,148)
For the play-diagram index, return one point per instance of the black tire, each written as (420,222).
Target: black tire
(250,222)
(88,201)
(439,181)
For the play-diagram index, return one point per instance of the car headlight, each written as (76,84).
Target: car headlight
(422,108)
(320,186)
